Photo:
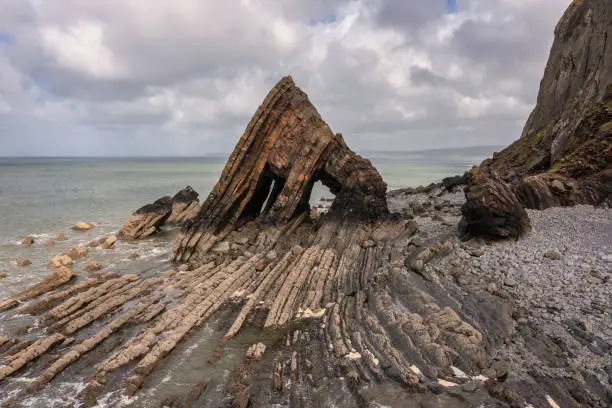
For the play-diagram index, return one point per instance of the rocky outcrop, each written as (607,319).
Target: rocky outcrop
(569,132)
(450,183)
(147,220)
(284,150)
(578,71)
(185,205)
(341,319)
(492,209)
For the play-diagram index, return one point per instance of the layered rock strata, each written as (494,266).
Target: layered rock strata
(564,156)
(284,150)
(340,317)
(148,219)
(492,209)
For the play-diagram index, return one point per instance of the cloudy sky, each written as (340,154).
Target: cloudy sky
(183,77)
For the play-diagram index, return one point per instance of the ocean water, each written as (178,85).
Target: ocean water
(43,197)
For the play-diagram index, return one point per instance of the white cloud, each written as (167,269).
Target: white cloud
(82,47)
(393,70)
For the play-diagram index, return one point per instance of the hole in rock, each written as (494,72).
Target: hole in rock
(321,198)
(265,195)
(268,203)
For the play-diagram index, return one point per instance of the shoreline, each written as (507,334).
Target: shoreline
(563,337)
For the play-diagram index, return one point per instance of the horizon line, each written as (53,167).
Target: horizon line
(225,154)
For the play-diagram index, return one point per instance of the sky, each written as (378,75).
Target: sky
(184,77)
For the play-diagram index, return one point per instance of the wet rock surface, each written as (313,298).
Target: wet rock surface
(82,226)
(384,307)
(185,206)
(148,219)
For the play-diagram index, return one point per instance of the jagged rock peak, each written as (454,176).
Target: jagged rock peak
(569,132)
(284,150)
(580,62)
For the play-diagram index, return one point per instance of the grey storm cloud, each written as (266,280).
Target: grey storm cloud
(176,77)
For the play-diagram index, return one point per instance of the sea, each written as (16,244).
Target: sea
(43,197)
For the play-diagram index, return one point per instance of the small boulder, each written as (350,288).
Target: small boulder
(82,226)
(59,260)
(256,351)
(77,252)
(109,242)
(558,186)
(50,243)
(29,240)
(134,255)
(2,275)
(93,244)
(23,262)
(61,237)
(93,266)
(553,254)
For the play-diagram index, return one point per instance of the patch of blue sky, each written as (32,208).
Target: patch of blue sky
(6,38)
(331,18)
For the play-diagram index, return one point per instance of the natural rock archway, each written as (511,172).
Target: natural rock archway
(284,150)
(338,318)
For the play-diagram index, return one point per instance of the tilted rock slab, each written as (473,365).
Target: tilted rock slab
(284,150)
(336,307)
(148,219)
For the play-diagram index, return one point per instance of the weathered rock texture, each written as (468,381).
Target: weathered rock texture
(185,205)
(569,133)
(491,209)
(284,150)
(147,220)
(342,321)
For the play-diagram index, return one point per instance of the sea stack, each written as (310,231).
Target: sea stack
(284,150)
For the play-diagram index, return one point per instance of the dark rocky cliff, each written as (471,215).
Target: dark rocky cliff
(568,136)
